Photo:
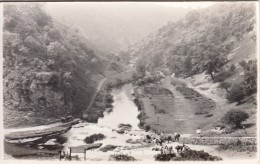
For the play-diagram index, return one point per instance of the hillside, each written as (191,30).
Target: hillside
(50,70)
(213,50)
(185,47)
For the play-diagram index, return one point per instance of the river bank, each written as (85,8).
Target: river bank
(132,142)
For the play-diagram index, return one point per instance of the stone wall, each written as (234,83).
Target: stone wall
(218,140)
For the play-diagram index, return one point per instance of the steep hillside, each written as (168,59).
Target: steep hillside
(115,25)
(49,70)
(188,46)
(215,50)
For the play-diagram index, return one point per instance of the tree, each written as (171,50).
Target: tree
(215,58)
(188,65)
(235,117)
(141,68)
(250,76)
(214,64)
(236,94)
(232,68)
(225,85)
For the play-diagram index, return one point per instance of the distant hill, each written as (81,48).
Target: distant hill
(49,69)
(188,46)
(114,26)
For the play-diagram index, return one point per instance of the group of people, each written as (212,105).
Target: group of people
(169,150)
(164,149)
(159,137)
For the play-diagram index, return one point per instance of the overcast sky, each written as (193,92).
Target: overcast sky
(194,5)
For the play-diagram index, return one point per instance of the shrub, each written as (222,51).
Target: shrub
(93,118)
(121,157)
(125,126)
(225,85)
(209,115)
(164,157)
(61,139)
(235,117)
(232,68)
(237,147)
(108,148)
(236,94)
(147,128)
(194,155)
(222,76)
(201,112)
(93,138)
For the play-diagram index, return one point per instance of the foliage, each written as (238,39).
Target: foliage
(225,85)
(250,76)
(236,93)
(164,157)
(147,127)
(46,61)
(235,117)
(194,155)
(141,69)
(214,63)
(121,157)
(93,138)
(237,147)
(217,30)
(223,75)
(108,148)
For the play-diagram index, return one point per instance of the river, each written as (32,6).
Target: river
(124,111)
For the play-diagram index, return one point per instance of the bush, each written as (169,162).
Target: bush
(147,128)
(164,157)
(201,112)
(61,139)
(235,117)
(121,157)
(194,155)
(108,148)
(236,94)
(93,138)
(225,85)
(125,126)
(209,115)
(222,76)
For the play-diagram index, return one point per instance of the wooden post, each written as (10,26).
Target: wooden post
(84,154)
(60,155)
(70,154)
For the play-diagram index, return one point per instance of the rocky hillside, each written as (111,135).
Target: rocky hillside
(206,36)
(49,70)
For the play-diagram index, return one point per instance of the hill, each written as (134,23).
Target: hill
(50,70)
(186,46)
(212,49)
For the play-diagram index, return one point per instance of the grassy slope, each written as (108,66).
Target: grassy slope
(244,50)
(177,112)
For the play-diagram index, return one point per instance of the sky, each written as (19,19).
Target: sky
(194,5)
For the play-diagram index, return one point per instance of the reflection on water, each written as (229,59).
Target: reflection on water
(124,109)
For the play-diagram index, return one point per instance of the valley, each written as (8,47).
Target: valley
(186,91)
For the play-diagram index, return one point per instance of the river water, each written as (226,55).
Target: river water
(124,111)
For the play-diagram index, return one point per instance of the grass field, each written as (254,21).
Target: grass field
(175,108)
